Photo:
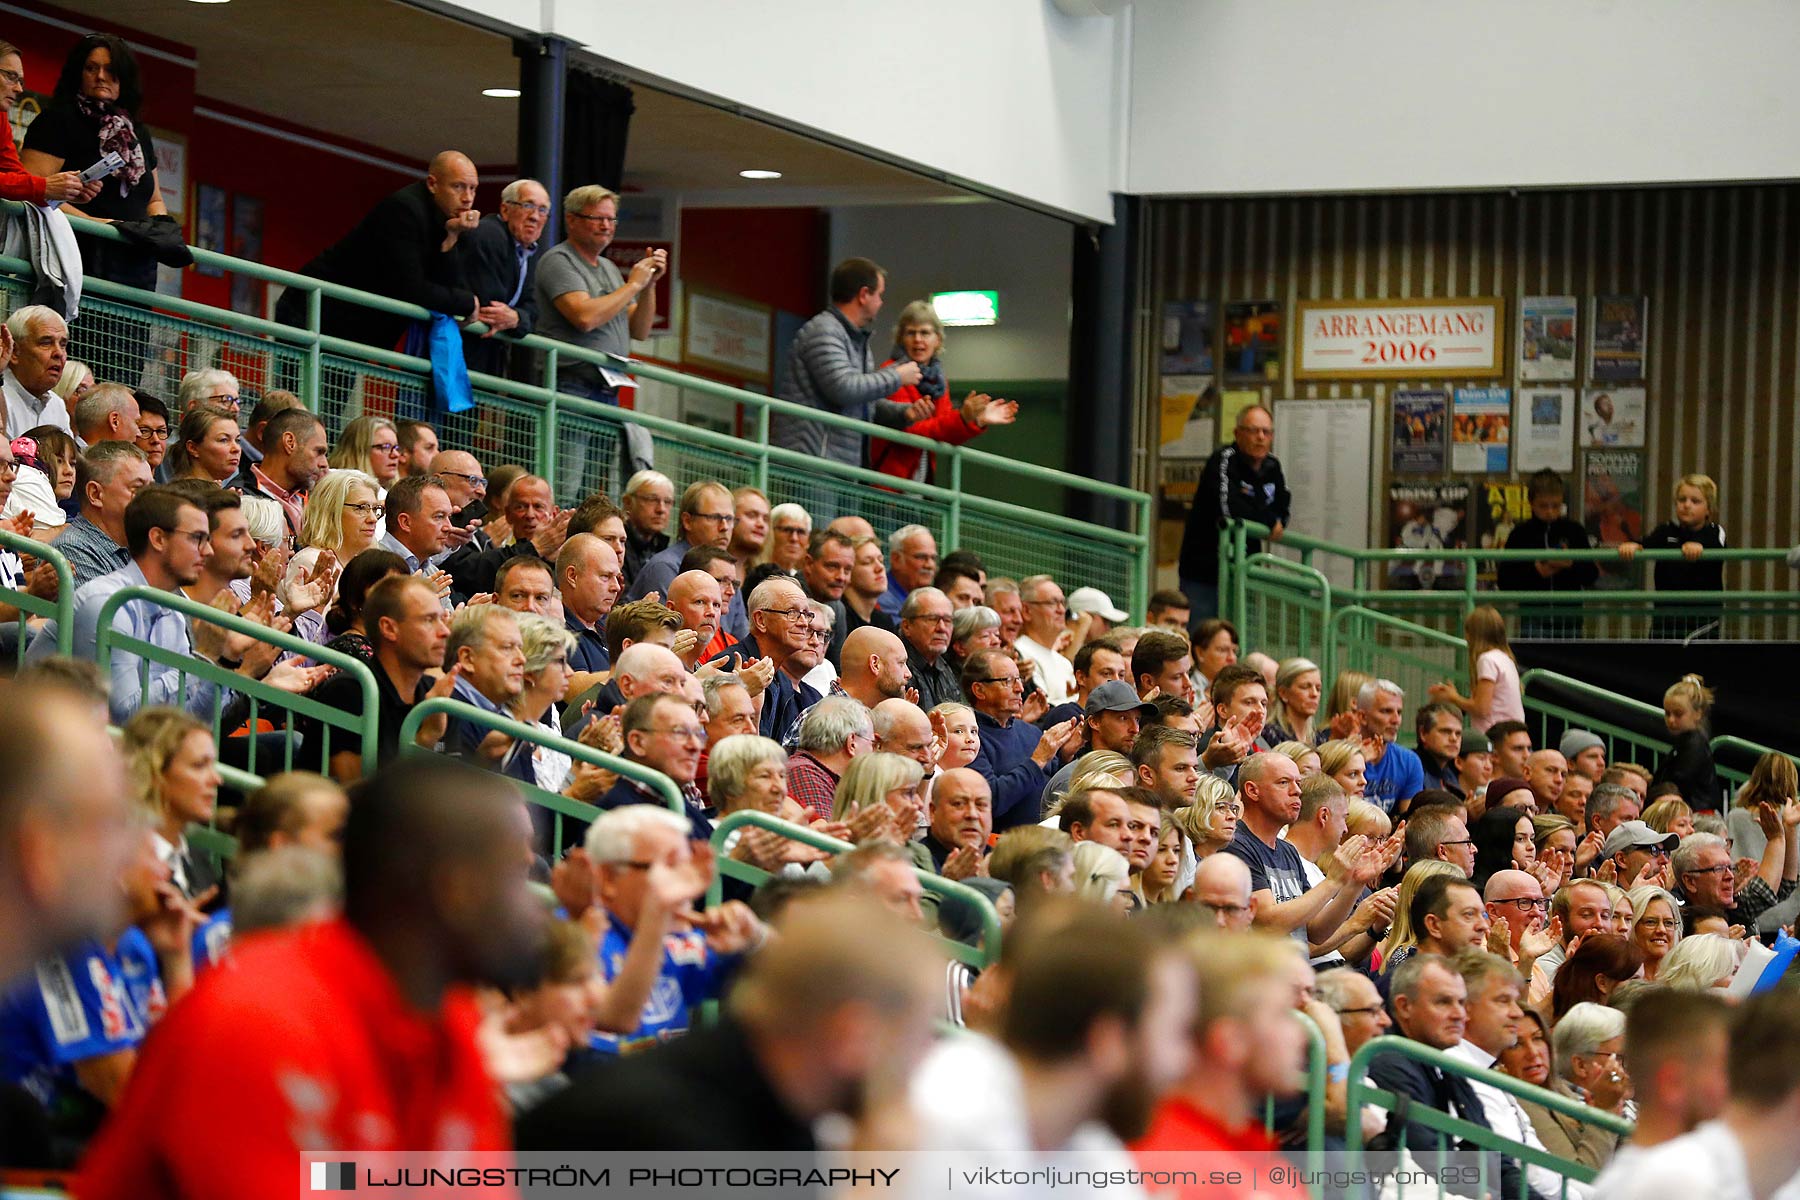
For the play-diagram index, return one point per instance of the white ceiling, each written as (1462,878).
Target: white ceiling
(409,81)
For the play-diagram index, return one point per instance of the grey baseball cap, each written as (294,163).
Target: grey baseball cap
(1118,696)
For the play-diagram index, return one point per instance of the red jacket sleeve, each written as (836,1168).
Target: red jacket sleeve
(946,424)
(16,183)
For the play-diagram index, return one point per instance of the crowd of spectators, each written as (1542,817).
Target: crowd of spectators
(1185,841)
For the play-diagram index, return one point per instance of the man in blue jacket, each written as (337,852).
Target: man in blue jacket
(1016,755)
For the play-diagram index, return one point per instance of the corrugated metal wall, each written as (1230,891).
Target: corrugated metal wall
(1721,267)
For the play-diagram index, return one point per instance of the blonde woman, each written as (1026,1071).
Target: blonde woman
(372,445)
(1304,754)
(1655,926)
(341,517)
(1403,939)
(175,780)
(1702,962)
(1343,720)
(1343,760)
(547,646)
(1494,694)
(206,445)
(1103,876)
(1212,821)
(1294,707)
(1671,814)
(75,382)
(748,773)
(1773,781)
(878,797)
(1367,820)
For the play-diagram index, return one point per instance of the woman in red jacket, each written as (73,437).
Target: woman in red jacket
(920,336)
(16,183)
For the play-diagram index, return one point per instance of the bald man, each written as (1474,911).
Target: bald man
(962,819)
(901,727)
(696,596)
(873,667)
(851,527)
(402,249)
(1222,887)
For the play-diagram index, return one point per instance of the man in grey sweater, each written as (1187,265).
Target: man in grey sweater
(830,368)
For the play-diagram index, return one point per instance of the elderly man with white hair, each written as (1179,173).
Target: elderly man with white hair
(1045,609)
(107,413)
(40,350)
(912,564)
(1393,772)
(836,730)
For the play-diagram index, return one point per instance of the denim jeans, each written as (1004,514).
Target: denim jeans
(576,441)
(1203,600)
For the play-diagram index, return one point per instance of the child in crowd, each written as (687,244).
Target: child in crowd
(1689,765)
(1694,531)
(1493,673)
(1547,529)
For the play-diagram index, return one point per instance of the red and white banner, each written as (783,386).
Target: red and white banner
(1400,339)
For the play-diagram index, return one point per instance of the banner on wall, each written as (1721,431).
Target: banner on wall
(1612,417)
(1613,507)
(1544,430)
(1325,451)
(1427,517)
(1495,509)
(1187,337)
(1547,337)
(1417,444)
(1481,431)
(727,334)
(1174,501)
(1253,340)
(1189,415)
(1616,337)
(1400,339)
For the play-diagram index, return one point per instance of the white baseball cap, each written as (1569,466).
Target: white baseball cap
(1093,600)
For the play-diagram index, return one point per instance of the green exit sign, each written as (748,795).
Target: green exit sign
(967,308)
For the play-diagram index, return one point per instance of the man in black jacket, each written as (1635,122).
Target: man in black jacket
(498,259)
(1431,1007)
(759,1079)
(401,249)
(1242,480)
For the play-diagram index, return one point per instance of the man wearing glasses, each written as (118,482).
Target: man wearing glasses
(498,263)
(1703,870)
(1242,481)
(1045,613)
(1517,898)
(583,298)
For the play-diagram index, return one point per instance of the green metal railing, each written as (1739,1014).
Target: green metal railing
(558,806)
(1360,1093)
(1599,612)
(282,707)
(978,956)
(574,442)
(1315,1105)
(60,610)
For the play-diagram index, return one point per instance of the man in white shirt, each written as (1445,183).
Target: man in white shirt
(40,350)
(1045,609)
(1748,1153)
(1493,1020)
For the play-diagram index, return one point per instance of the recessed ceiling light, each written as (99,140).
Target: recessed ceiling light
(212,1)
(496,93)
(760,174)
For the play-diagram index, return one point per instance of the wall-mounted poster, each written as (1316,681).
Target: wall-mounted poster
(1418,442)
(1612,417)
(1427,517)
(1253,339)
(1400,339)
(1544,430)
(1481,430)
(1174,501)
(1616,337)
(1613,506)
(1187,337)
(1190,408)
(1231,407)
(246,243)
(1495,509)
(209,224)
(1547,337)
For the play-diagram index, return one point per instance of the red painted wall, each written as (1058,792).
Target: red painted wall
(774,256)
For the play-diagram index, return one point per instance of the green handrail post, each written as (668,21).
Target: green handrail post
(1146,574)
(1315,1105)
(953,518)
(361,724)
(547,441)
(314,372)
(61,609)
(650,777)
(981,956)
(762,443)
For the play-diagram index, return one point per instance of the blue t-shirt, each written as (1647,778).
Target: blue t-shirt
(82,1005)
(691,975)
(212,940)
(1398,776)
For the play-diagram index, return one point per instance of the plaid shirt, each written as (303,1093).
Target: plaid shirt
(811,784)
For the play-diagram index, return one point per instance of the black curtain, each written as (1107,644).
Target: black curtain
(596,120)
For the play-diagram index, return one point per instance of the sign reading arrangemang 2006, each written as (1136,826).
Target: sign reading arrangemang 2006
(1400,339)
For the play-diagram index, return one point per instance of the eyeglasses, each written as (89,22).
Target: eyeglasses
(1457,842)
(1659,923)
(931,619)
(199,538)
(595,219)
(789,613)
(1527,903)
(13,77)
(536,210)
(1230,910)
(474,481)
(793,530)
(1050,603)
(365,510)
(1360,1012)
(721,518)
(1008,680)
(1721,869)
(150,433)
(385,447)
(683,733)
